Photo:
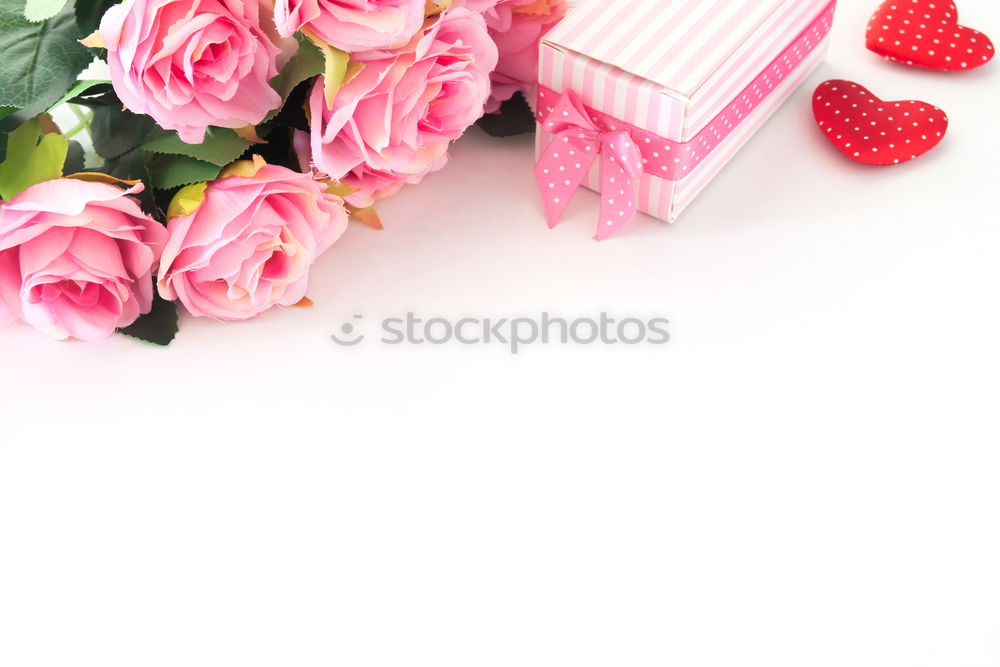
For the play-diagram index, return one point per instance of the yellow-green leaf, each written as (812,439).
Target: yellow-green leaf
(187,200)
(30,160)
(334,70)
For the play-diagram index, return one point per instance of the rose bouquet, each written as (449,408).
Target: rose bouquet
(220,146)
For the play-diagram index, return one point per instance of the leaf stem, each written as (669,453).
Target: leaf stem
(84,119)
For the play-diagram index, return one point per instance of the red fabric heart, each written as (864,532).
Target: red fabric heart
(871,131)
(926,33)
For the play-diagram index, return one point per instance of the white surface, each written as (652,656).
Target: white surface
(806,475)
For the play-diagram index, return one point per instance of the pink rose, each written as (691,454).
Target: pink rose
(366,185)
(193,63)
(481,6)
(517,26)
(392,123)
(249,244)
(352,25)
(77,258)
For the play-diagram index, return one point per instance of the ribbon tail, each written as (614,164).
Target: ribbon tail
(562,168)
(617,197)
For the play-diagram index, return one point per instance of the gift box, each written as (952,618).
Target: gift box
(645,101)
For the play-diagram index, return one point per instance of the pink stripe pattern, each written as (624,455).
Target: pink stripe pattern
(688,82)
(674,160)
(689,188)
(663,41)
(779,30)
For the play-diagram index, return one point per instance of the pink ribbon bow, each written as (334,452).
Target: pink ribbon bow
(568,158)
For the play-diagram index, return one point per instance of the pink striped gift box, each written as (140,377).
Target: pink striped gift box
(646,101)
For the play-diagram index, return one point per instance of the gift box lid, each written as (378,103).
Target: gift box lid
(677,44)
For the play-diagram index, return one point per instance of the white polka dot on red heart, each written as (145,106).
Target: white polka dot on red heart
(886,142)
(910,47)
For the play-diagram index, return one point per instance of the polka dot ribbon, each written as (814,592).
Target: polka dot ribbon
(568,158)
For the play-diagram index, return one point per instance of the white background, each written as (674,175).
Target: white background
(807,474)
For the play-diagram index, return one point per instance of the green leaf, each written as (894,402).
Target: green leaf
(159,326)
(171,171)
(79,89)
(40,60)
(513,118)
(39,10)
(116,131)
(101,95)
(74,159)
(31,161)
(221,145)
(335,67)
(89,14)
(305,64)
(131,166)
